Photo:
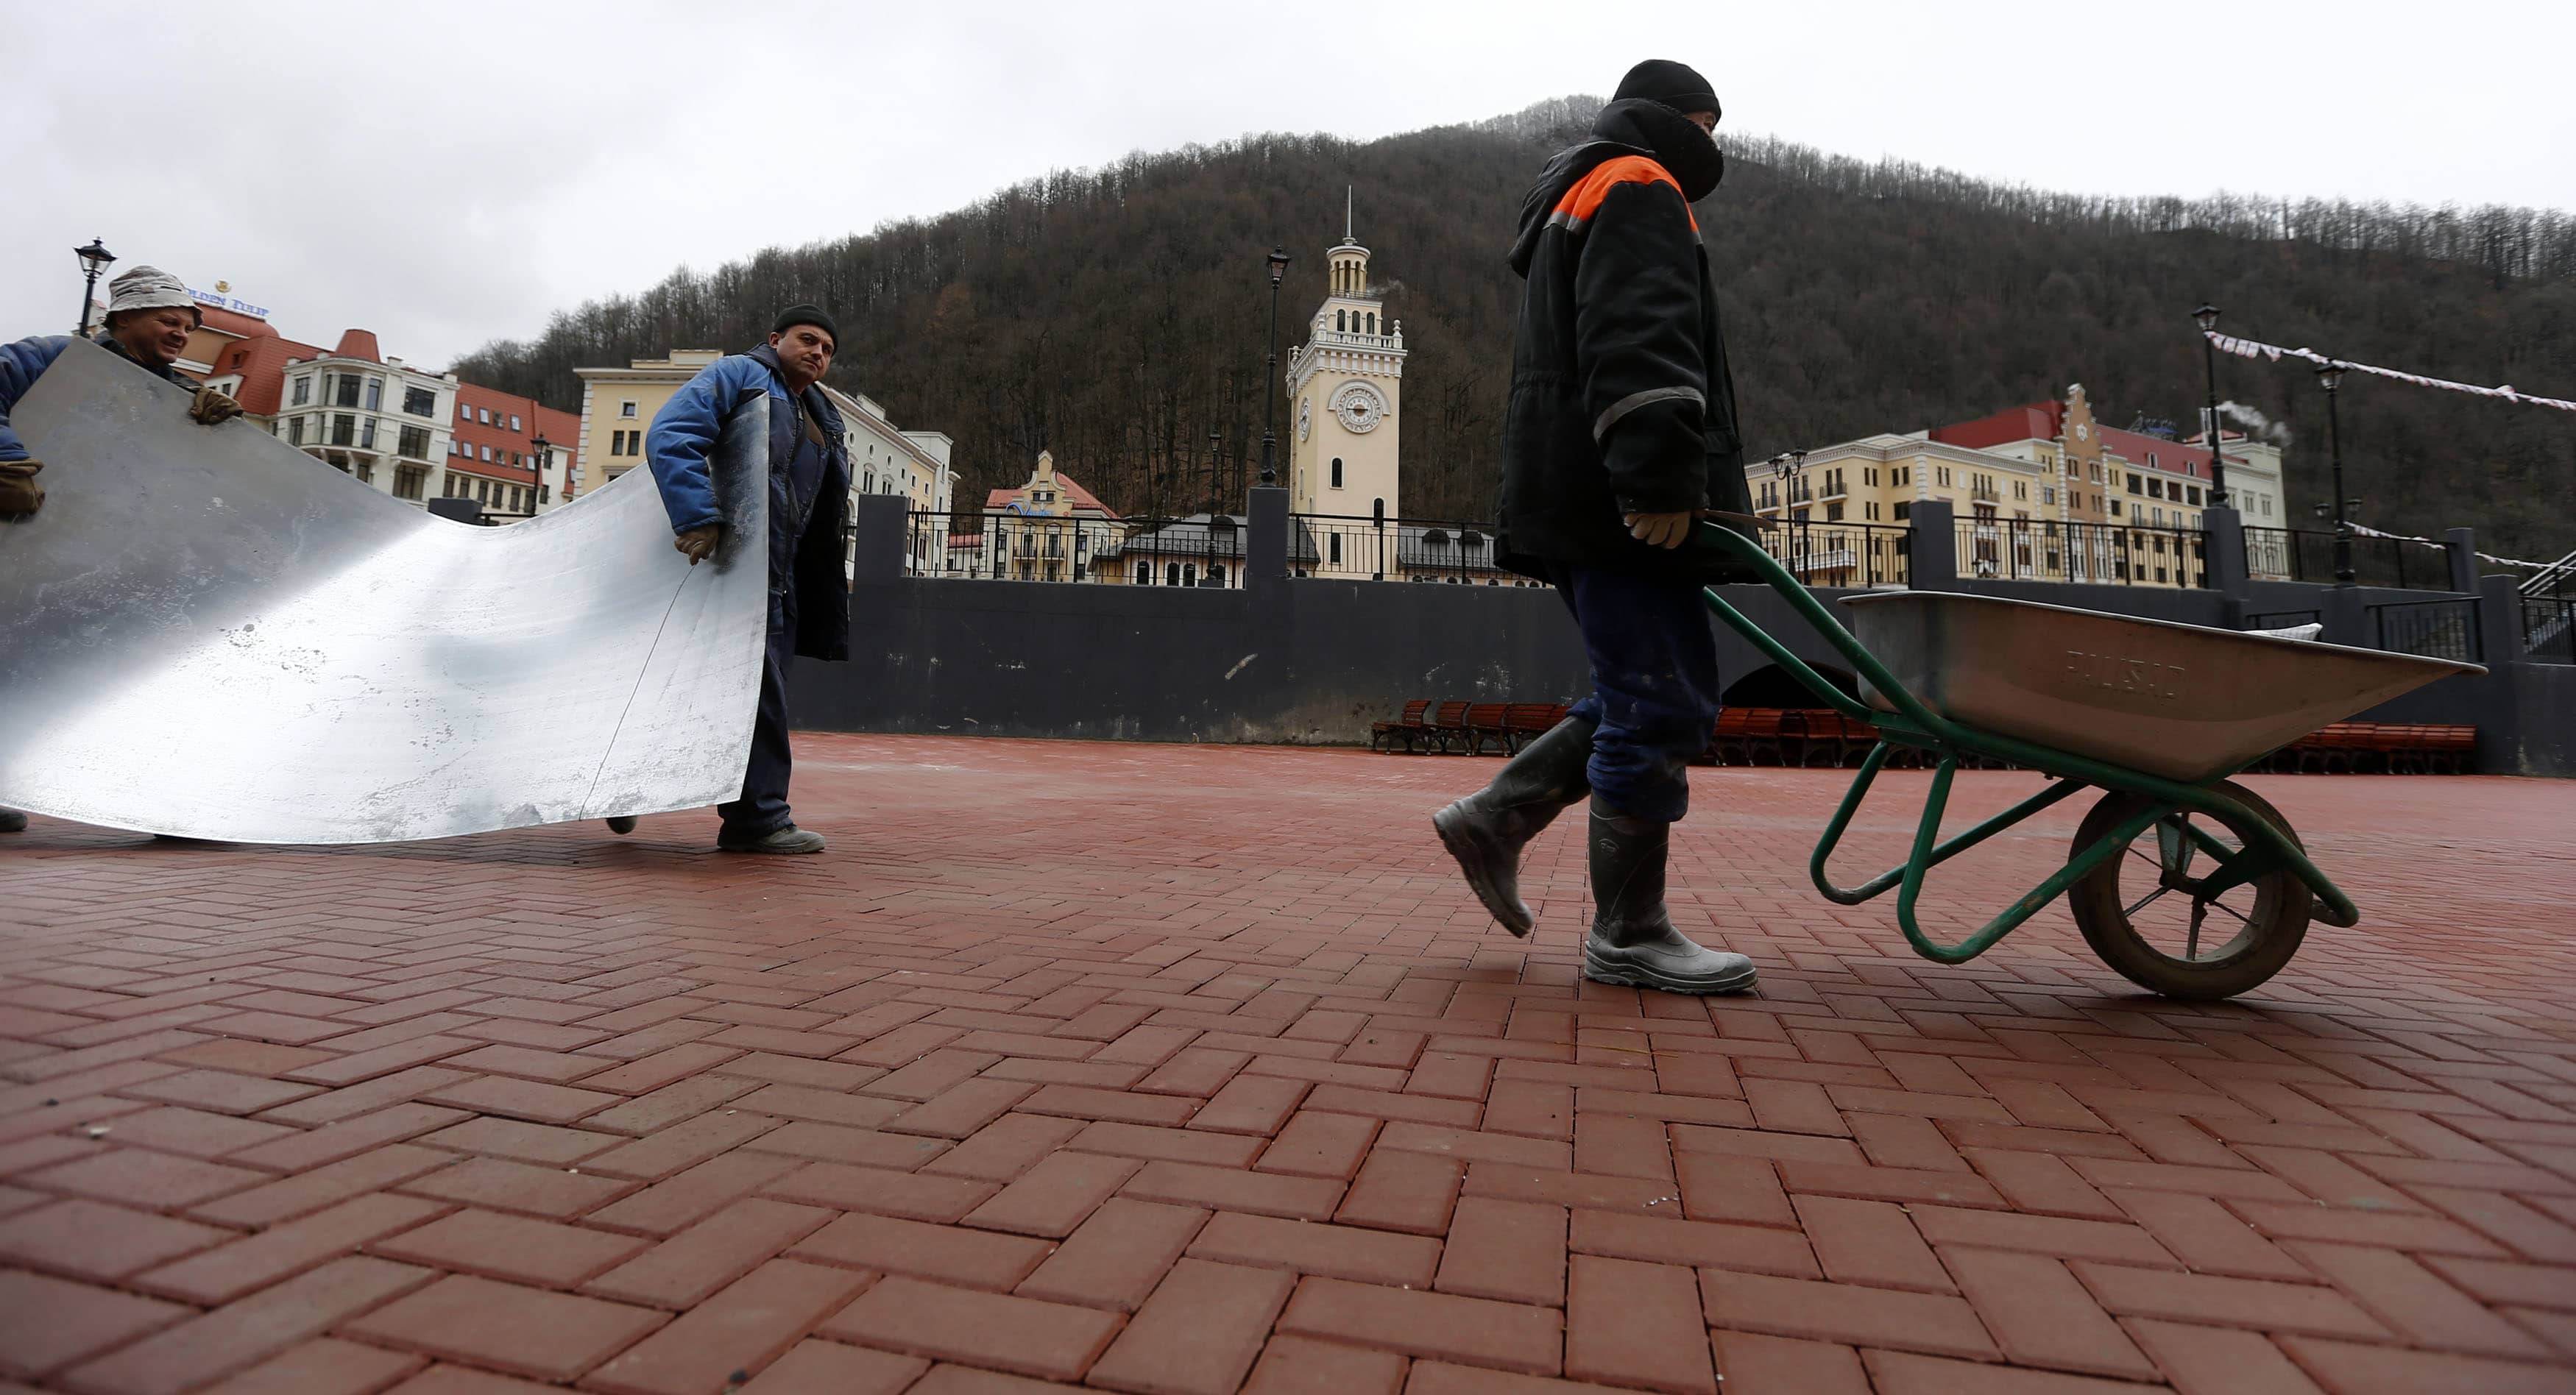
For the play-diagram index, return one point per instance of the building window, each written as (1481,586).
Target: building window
(2115,508)
(1144,573)
(2137,485)
(464,413)
(347,391)
(1336,541)
(487,455)
(408,480)
(375,394)
(1337,472)
(303,391)
(344,429)
(514,421)
(1904,510)
(626,410)
(295,432)
(414,443)
(2191,494)
(1171,573)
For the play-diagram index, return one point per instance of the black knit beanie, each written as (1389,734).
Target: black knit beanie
(1671,84)
(795,315)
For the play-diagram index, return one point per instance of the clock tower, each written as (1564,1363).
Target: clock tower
(1344,396)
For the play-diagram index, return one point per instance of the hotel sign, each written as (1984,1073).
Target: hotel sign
(222,299)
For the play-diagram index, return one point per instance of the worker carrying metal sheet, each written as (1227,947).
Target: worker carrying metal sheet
(809,488)
(149,318)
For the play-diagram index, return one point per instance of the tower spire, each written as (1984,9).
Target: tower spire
(1350,203)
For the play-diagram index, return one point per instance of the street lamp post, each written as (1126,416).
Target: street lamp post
(2207,316)
(94,259)
(2330,376)
(1270,381)
(1207,535)
(542,455)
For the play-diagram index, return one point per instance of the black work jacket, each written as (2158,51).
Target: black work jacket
(1621,401)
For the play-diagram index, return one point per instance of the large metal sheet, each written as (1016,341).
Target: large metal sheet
(207,632)
(2185,702)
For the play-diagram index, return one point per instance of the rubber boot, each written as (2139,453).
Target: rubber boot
(1633,941)
(787,839)
(1487,830)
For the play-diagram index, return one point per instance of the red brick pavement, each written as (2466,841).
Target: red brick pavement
(1190,1070)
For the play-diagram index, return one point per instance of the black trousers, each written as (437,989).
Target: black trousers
(762,810)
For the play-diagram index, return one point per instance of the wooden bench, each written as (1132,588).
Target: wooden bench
(1384,735)
(2344,748)
(1448,726)
(1485,724)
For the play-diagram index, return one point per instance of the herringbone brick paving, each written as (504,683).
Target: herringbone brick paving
(1189,1070)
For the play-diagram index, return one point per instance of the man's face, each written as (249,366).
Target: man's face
(805,351)
(155,336)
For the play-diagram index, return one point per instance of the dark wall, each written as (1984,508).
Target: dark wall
(1316,661)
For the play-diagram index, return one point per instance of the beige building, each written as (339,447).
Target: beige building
(617,407)
(1048,529)
(2127,506)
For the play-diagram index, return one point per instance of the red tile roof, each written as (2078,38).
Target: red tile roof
(359,343)
(2039,421)
(261,362)
(1074,494)
(246,326)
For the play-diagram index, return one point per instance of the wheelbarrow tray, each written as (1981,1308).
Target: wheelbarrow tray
(2184,702)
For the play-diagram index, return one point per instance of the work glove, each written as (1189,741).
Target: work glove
(212,408)
(19,492)
(699,543)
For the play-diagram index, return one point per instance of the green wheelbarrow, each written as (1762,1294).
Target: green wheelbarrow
(2185,882)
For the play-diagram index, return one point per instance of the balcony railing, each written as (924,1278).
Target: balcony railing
(2033,549)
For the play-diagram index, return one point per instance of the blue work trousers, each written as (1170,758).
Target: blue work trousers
(1654,686)
(762,810)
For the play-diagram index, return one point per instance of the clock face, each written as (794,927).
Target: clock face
(1360,407)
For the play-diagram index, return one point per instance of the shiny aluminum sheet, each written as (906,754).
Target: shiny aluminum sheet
(206,632)
(2185,702)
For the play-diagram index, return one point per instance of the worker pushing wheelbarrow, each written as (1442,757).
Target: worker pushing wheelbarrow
(1623,486)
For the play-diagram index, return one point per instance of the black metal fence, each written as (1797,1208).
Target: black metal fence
(2306,554)
(2549,629)
(1348,548)
(1842,554)
(2033,549)
(2443,629)
(1200,550)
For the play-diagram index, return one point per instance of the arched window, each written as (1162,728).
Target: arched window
(1171,573)
(1341,321)
(1337,472)
(1144,573)
(1189,574)
(1377,511)
(1372,319)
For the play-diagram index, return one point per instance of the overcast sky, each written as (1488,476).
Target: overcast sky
(448,174)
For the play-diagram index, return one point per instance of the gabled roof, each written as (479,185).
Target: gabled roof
(1074,494)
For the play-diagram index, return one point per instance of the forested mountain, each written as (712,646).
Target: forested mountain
(1117,315)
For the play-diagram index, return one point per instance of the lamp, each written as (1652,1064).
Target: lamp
(94,259)
(1270,380)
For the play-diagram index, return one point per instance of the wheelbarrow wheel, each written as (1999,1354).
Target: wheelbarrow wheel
(2166,940)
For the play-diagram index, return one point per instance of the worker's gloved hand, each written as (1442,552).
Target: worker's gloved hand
(699,543)
(212,408)
(19,493)
(1665,530)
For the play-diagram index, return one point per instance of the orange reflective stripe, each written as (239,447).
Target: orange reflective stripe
(1584,199)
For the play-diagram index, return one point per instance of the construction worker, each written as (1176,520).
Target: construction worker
(809,488)
(1619,435)
(149,318)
